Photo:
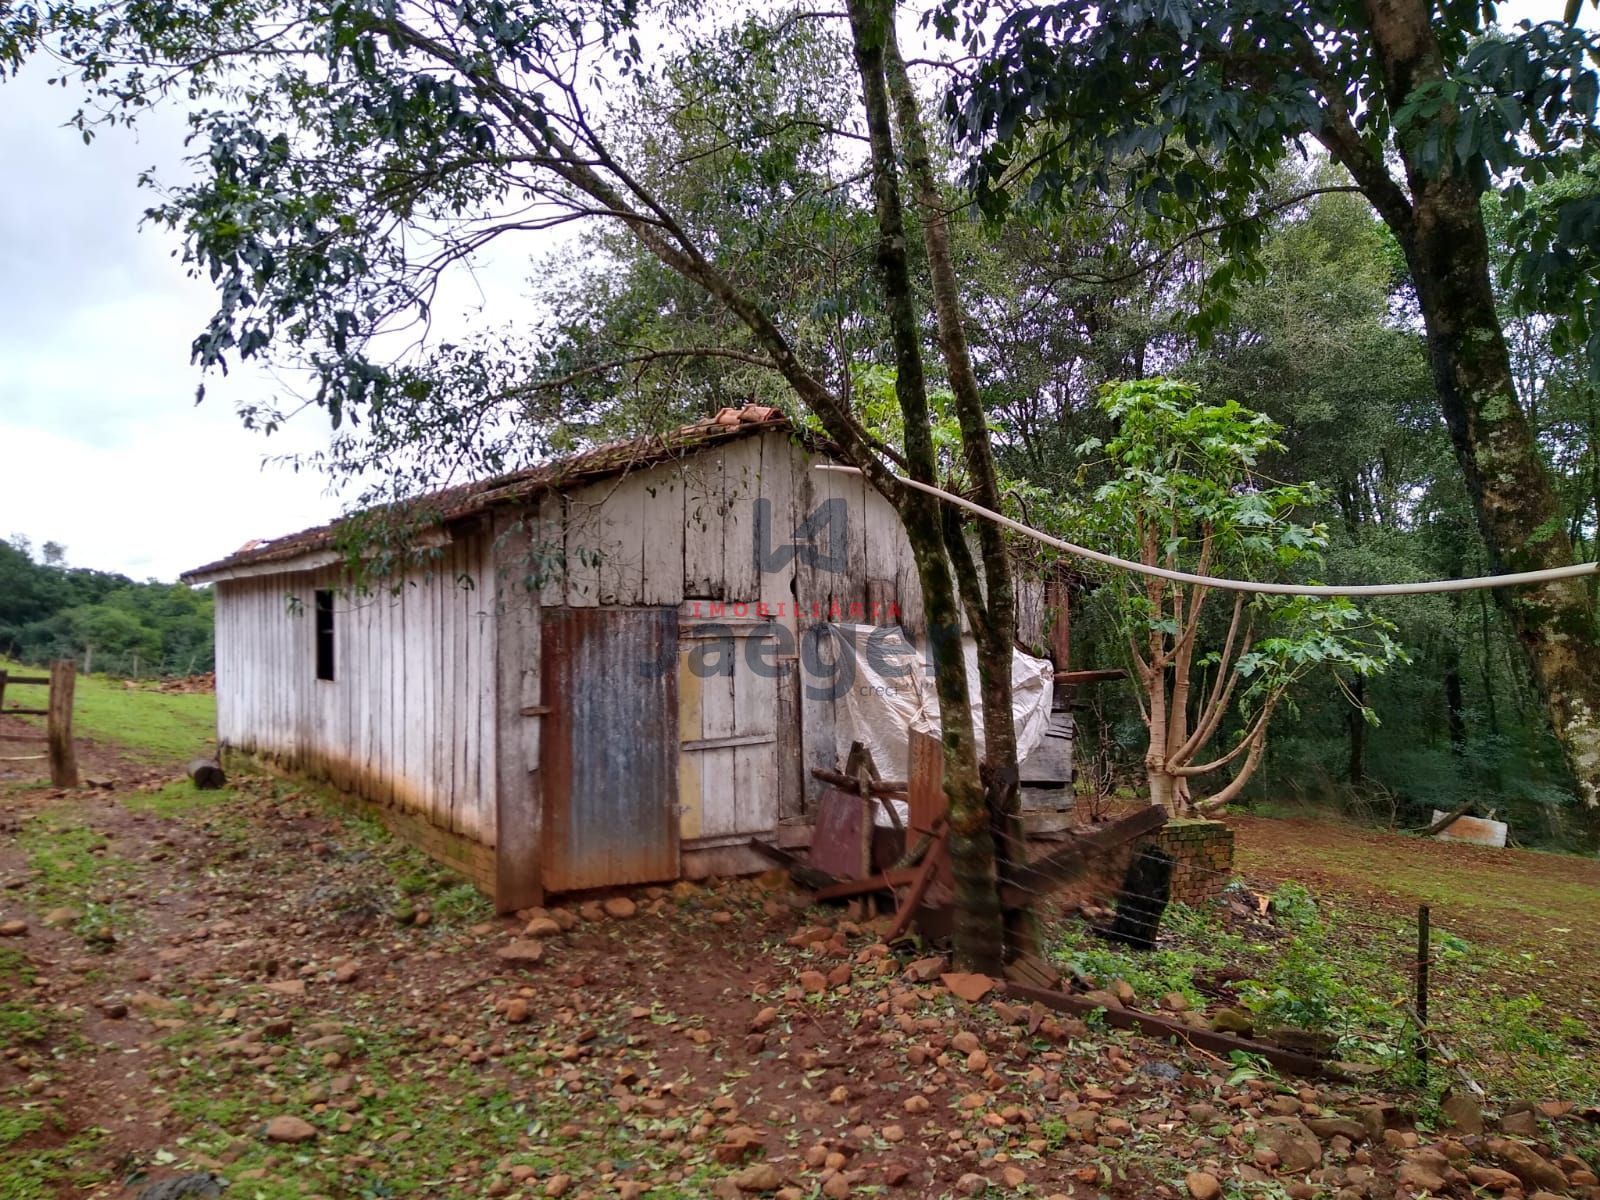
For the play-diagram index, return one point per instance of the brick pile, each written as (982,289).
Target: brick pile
(1202,854)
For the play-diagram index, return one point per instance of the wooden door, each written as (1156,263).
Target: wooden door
(728,768)
(609,746)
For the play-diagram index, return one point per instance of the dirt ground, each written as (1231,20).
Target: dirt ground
(256,984)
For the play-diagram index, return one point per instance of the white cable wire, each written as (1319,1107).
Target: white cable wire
(1479,583)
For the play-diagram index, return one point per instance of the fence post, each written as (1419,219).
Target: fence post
(58,725)
(1423,954)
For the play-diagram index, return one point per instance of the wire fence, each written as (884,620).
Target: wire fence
(1311,974)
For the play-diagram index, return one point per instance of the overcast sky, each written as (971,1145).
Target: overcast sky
(102,447)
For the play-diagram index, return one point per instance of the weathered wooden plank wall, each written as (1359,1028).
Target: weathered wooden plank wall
(404,721)
(435,706)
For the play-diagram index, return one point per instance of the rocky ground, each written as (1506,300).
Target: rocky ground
(259,986)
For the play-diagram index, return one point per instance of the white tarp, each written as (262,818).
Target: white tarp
(890,691)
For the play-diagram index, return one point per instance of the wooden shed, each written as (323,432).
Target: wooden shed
(605,670)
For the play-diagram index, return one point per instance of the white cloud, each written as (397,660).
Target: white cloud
(160,501)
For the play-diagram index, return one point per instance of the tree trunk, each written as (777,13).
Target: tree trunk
(978,927)
(1447,249)
(991,604)
(1511,493)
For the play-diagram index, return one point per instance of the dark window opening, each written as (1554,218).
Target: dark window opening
(324,634)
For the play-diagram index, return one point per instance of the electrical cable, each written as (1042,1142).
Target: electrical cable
(1478,583)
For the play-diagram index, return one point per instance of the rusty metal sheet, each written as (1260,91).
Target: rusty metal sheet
(841,844)
(609,746)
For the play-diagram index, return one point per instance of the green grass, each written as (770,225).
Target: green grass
(180,798)
(72,869)
(46,1172)
(153,726)
(1316,973)
(21,1023)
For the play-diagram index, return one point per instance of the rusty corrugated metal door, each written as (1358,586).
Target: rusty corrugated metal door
(609,746)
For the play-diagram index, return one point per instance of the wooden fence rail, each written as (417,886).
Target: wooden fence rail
(62,682)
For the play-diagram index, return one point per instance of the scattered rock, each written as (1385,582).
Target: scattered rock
(114,1010)
(1102,998)
(1175,1002)
(1462,1112)
(970,988)
(290,1129)
(926,970)
(542,927)
(1420,1177)
(1203,1185)
(13,928)
(1296,1146)
(1492,1178)
(1523,1123)
(523,950)
(813,982)
(557,1185)
(59,918)
(1526,1165)
(759,1177)
(740,1143)
(150,1002)
(1233,1020)
(1328,1128)
(1123,991)
(619,907)
(516,1011)
(286,987)
(972,1184)
(1377,1118)
(763,1020)
(347,972)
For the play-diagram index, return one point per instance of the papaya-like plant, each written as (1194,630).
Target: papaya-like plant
(1185,493)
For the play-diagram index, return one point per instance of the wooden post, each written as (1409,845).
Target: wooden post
(1422,990)
(63,758)
(2,688)
(1058,603)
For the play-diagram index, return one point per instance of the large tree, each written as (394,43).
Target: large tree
(351,154)
(1189,107)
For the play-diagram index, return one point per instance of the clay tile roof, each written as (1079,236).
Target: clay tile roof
(465,500)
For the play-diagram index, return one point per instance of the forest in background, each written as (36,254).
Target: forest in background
(103,621)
